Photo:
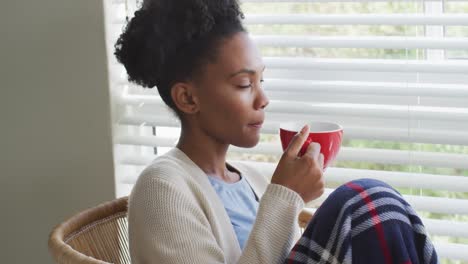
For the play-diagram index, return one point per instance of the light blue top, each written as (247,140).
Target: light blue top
(240,204)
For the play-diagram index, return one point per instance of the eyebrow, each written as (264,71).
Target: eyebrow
(245,70)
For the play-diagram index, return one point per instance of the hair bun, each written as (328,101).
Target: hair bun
(167,40)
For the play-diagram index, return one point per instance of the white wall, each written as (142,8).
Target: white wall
(55,136)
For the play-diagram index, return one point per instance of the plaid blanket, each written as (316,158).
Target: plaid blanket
(364,221)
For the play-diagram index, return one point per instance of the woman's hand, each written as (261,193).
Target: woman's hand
(303,175)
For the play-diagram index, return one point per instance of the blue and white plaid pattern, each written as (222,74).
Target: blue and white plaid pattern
(364,221)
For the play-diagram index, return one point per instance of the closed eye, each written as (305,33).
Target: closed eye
(249,85)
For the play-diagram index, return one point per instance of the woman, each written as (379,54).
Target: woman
(189,205)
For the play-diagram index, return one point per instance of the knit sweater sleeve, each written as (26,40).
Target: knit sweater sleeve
(273,234)
(171,228)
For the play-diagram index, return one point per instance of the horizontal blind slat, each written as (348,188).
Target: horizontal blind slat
(333,73)
(376,42)
(331,1)
(451,250)
(400,157)
(299,1)
(423,203)
(363,87)
(401,179)
(325,1)
(358,19)
(347,98)
(368,65)
(390,111)
(337,19)
(446,227)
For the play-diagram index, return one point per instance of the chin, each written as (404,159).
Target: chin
(247,143)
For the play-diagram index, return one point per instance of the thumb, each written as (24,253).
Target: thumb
(321,160)
(314,150)
(297,141)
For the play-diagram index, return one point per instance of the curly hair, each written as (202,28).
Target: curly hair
(168,41)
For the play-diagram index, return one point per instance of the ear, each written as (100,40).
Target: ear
(185,98)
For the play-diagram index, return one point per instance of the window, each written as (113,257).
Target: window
(394,74)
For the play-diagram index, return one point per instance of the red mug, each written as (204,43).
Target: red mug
(328,135)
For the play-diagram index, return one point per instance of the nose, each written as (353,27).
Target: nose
(262,99)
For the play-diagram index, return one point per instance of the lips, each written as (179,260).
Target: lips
(257,124)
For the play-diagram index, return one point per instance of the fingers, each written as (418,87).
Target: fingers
(313,150)
(321,160)
(297,141)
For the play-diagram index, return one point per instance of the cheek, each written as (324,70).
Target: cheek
(225,118)
(235,107)
(230,106)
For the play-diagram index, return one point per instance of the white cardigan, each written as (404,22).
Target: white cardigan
(175,216)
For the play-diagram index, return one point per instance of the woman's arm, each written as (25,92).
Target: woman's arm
(276,227)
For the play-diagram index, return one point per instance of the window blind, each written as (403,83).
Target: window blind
(394,74)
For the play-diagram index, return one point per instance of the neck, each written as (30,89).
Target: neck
(203,150)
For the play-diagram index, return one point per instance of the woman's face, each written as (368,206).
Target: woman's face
(230,94)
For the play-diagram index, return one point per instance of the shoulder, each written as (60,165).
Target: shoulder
(167,168)
(163,173)
(163,182)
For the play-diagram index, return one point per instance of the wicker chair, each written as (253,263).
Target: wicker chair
(99,235)
(95,236)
